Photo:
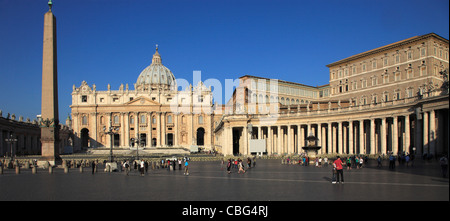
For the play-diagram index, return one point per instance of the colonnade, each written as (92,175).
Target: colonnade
(373,135)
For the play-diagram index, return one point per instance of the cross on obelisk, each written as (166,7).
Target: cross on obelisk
(49,106)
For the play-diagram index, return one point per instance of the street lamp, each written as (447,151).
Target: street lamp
(137,141)
(11,141)
(111,131)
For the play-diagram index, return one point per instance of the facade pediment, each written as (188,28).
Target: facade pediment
(141,101)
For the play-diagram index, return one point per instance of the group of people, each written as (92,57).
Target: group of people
(238,164)
(142,165)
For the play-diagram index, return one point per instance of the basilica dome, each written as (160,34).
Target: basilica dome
(156,75)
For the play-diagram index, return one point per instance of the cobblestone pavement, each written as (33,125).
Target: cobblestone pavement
(207,181)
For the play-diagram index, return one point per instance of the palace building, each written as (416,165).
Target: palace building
(390,99)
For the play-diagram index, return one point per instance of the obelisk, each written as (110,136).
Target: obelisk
(49,104)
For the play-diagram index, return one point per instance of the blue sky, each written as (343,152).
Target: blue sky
(111,41)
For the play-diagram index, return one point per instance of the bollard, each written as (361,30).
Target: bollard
(50,169)
(1,169)
(81,168)
(66,169)
(17,169)
(34,170)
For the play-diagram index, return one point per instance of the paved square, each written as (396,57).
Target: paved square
(268,181)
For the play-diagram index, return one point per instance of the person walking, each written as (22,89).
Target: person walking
(126,165)
(142,167)
(93,167)
(379,161)
(349,163)
(186,168)
(229,166)
(391,162)
(444,165)
(338,164)
(241,167)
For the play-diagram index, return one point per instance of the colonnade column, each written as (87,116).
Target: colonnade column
(330,140)
(340,138)
(362,148)
(395,135)
(350,137)
(372,136)
(319,135)
(407,138)
(383,136)
(425,132)
(432,133)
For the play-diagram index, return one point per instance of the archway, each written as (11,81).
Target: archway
(200,136)
(84,137)
(170,139)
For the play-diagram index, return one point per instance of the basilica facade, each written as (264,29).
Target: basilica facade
(155,113)
(392,99)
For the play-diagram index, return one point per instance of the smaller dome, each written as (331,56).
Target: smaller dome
(156,74)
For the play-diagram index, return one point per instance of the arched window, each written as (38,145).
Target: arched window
(143,120)
(131,120)
(200,119)
(116,119)
(169,119)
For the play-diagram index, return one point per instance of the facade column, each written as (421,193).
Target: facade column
(158,129)
(301,138)
(163,129)
(395,135)
(289,142)
(245,136)
(372,136)
(123,131)
(127,128)
(383,135)
(279,139)
(108,125)
(150,128)
(269,140)
(176,130)
(259,133)
(425,133)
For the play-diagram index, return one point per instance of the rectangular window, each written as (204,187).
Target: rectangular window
(84,98)
(423,71)
(409,74)
(397,76)
(397,58)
